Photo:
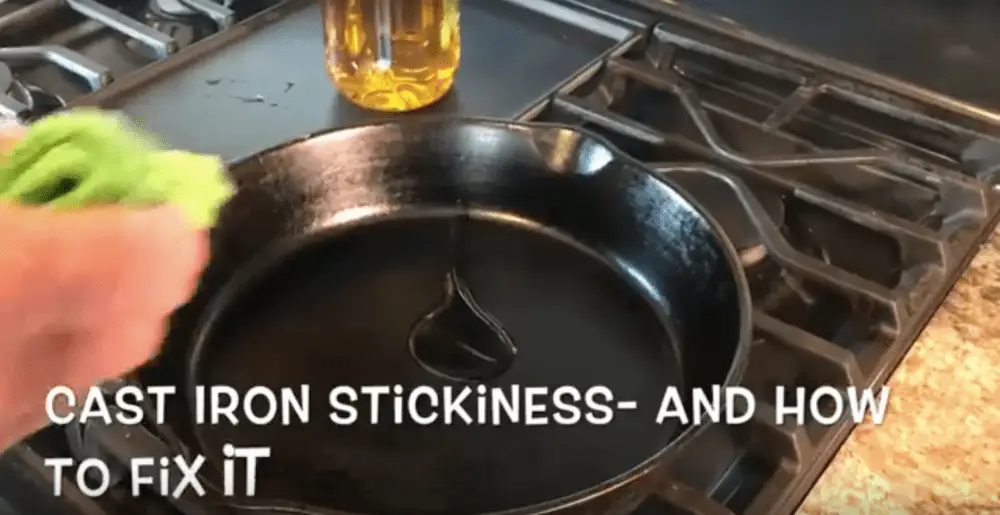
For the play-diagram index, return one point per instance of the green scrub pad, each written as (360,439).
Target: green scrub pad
(85,157)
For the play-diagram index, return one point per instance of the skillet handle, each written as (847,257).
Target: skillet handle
(688,500)
(119,444)
(655,492)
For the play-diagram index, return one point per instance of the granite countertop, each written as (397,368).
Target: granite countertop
(938,450)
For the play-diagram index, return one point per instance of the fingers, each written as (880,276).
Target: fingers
(85,296)
(129,267)
(127,317)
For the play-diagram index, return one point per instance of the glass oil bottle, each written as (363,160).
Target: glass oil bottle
(392,55)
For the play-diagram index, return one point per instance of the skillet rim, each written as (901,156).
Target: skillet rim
(737,367)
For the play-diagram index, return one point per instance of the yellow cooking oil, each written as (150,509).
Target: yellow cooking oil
(392,55)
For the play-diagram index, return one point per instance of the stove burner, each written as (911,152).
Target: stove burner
(38,101)
(184,8)
(43,102)
(13,89)
(719,200)
(6,78)
(172,8)
(176,19)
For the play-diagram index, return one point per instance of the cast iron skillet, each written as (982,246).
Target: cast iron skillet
(337,244)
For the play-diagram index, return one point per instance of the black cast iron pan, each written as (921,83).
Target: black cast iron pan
(595,271)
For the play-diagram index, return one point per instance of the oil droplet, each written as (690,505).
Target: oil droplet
(459,340)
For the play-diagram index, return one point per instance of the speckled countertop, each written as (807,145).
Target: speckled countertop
(938,450)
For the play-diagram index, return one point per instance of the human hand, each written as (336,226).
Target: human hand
(84,296)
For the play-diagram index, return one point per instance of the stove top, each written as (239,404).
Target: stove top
(855,199)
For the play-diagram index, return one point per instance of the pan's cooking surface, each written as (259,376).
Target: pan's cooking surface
(340,313)
(343,313)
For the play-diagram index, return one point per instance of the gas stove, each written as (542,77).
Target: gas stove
(854,199)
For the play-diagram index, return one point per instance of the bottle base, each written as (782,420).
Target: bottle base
(402,99)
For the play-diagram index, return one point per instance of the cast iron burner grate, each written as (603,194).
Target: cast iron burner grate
(854,209)
(142,30)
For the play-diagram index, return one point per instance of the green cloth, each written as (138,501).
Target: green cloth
(86,157)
